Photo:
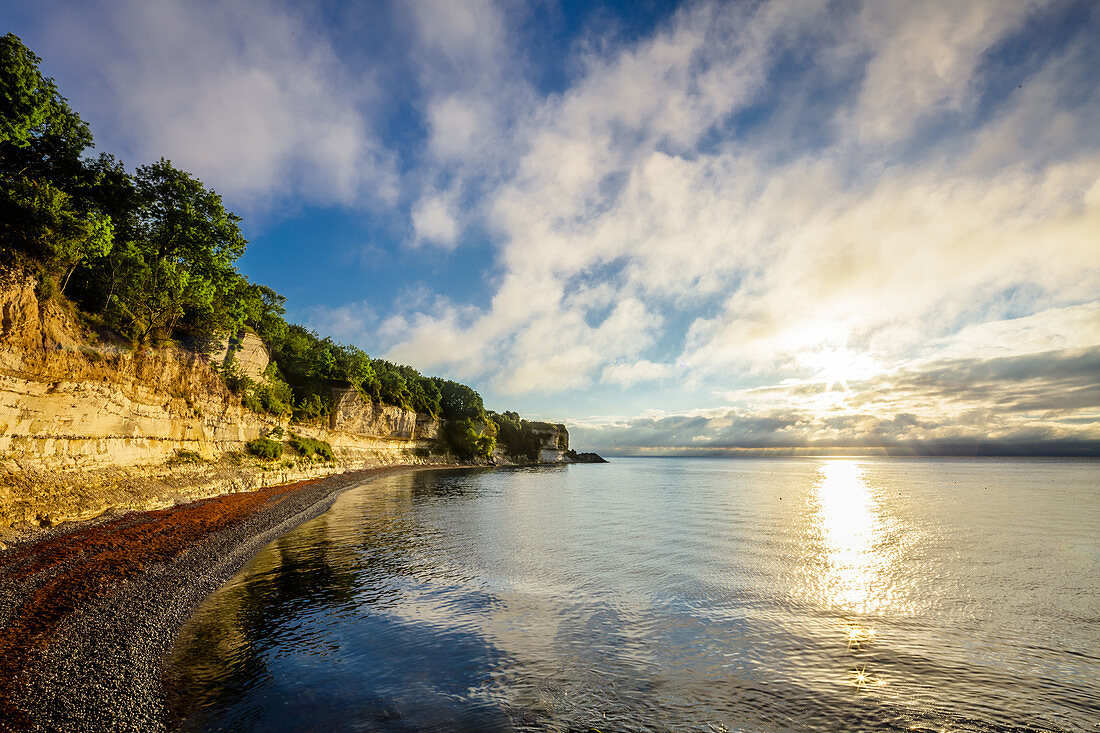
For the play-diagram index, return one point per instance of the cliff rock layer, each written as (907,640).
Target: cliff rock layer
(352,414)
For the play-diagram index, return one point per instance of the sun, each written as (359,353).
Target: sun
(836,367)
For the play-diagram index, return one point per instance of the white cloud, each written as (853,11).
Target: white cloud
(433,220)
(458,126)
(244,94)
(924,57)
(1072,327)
(473,88)
(627,375)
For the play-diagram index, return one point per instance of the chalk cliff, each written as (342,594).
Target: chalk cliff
(246,350)
(87,428)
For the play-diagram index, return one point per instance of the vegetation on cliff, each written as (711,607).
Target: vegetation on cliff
(149,258)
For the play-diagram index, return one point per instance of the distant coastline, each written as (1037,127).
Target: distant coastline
(983,449)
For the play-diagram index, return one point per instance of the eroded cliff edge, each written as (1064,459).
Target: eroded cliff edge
(87,427)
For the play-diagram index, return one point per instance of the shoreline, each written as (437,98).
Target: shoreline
(88,615)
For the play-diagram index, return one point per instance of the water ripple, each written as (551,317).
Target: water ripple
(667,594)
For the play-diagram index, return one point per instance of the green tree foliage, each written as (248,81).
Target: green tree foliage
(458,401)
(40,220)
(516,436)
(27,100)
(41,137)
(182,271)
(397,384)
(41,142)
(466,441)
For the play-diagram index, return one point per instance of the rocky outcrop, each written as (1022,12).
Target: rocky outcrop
(575,457)
(552,446)
(554,441)
(246,350)
(351,413)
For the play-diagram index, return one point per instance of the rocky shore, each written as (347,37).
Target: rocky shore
(89,612)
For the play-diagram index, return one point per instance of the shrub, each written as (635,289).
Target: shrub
(274,396)
(312,408)
(237,381)
(185,456)
(308,447)
(265,448)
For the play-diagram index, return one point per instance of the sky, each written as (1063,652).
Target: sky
(694,227)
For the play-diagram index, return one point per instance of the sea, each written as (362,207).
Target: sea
(668,594)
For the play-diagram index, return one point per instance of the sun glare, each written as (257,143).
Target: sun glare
(836,368)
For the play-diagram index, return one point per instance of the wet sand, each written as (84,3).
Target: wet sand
(89,613)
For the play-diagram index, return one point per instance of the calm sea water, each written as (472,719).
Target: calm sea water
(669,594)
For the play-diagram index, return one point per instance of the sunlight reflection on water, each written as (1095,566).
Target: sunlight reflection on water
(855,561)
(852,566)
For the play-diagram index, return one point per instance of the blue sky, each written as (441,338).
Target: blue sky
(700,226)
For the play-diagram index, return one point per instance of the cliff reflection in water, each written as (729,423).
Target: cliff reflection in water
(667,594)
(330,571)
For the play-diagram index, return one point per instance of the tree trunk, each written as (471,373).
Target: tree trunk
(71,271)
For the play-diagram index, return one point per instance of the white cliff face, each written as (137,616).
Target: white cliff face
(353,414)
(80,422)
(252,357)
(247,351)
(554,442)
(87,428)
(551,455)
(553,446)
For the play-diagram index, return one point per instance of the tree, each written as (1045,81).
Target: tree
(186,244)
(393,385)
(459,401)
(26,97)
(41,137)
(40,219)
(266,317)
(466,442)
(355,366)
(41,141)
(515,435)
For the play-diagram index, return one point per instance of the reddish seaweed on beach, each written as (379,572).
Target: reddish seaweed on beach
(72,570)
